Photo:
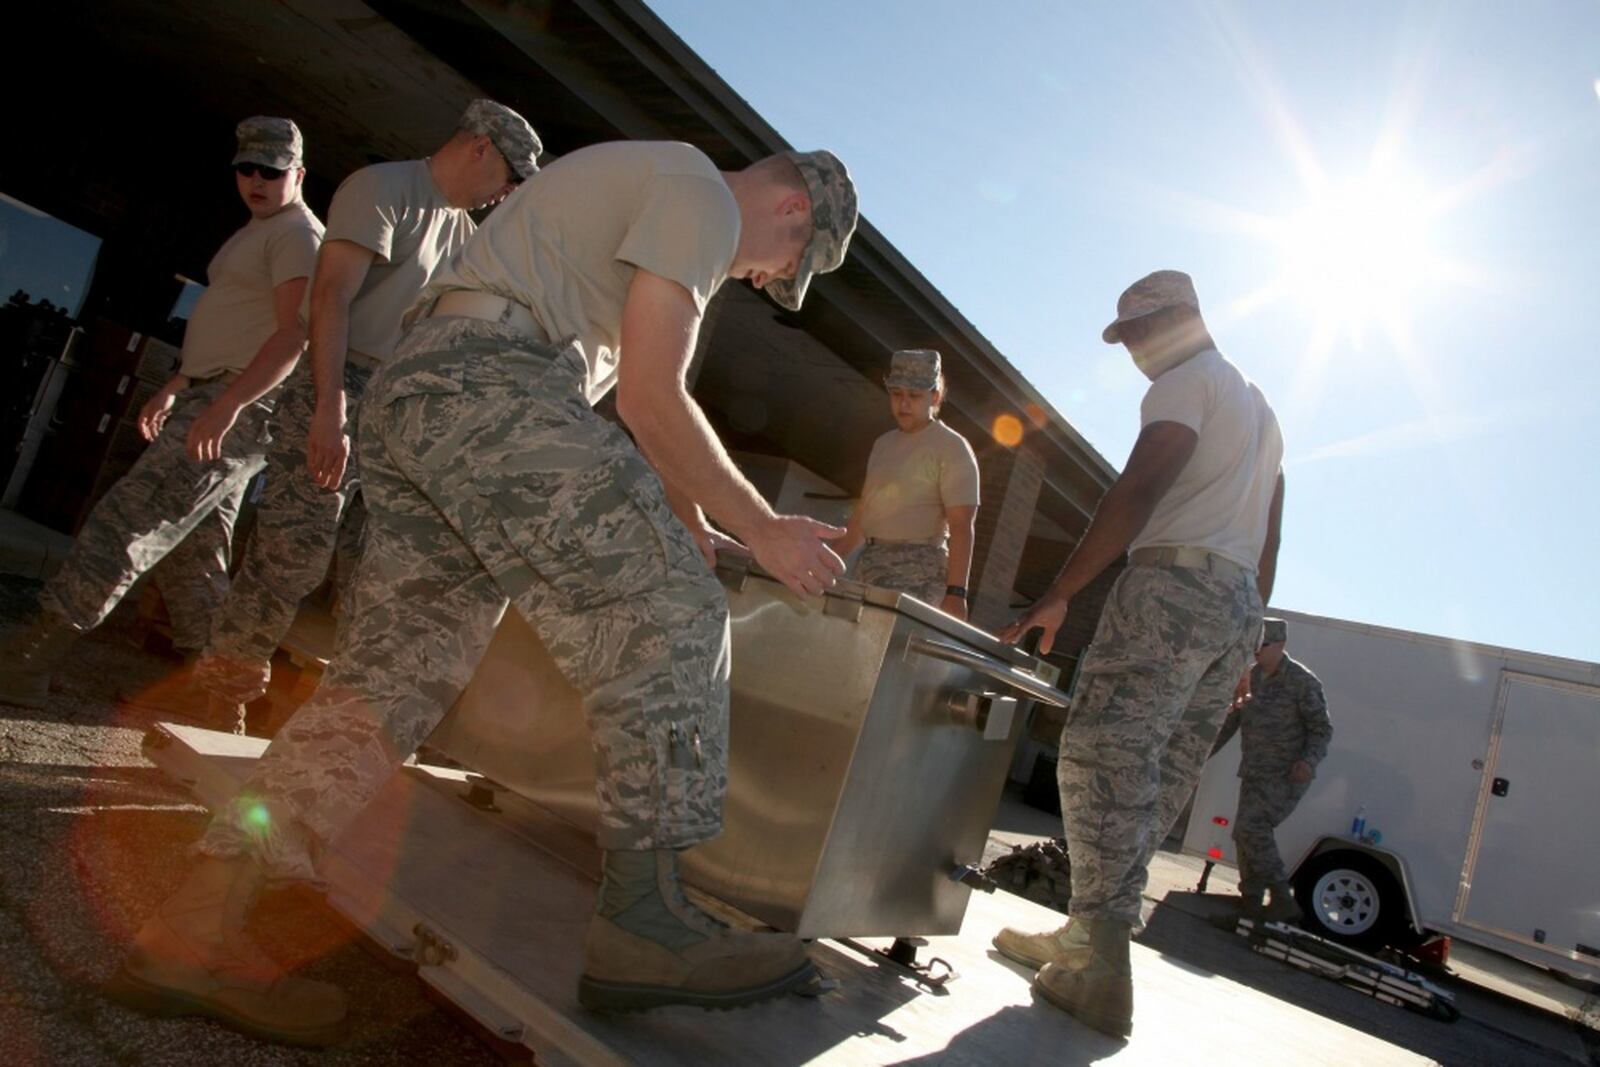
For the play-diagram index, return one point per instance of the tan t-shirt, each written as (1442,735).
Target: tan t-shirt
(912,478)
(1221,497)
(236,314)
(396,211)
(567,243)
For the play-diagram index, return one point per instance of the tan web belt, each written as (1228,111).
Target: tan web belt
(1190,558)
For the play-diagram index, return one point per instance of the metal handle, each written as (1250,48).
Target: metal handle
(1003,673)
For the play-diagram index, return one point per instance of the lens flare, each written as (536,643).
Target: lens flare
(1007,430)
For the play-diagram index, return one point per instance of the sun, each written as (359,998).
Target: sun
(1360,252)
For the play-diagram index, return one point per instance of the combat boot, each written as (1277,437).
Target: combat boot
(180,698)
(1095,985)
(1036,950)
(648,946)
(29,657)
(1283,908)
(193,958)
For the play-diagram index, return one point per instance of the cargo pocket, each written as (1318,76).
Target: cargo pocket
(592,541)
(693,780)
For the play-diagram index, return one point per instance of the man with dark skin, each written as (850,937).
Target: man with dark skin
(1198,509)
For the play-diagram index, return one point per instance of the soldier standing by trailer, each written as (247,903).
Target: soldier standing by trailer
(390,228)
(920,499)
(491,482)
(209,424)
(1284,732)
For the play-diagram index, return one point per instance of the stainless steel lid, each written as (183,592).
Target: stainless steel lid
(734,570)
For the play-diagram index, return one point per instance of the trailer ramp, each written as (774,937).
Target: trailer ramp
(488,897)
(1365,974)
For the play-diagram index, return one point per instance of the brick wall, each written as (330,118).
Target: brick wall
(1009,480)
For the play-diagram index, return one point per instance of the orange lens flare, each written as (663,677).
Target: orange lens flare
(1007,430)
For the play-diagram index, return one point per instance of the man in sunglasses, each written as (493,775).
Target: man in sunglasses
(1284,731)
(243,338)
(492,484)
(390,227)
(1197,509)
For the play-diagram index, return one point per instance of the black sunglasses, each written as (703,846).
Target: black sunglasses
(249,170)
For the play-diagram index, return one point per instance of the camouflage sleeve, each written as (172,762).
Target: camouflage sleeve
(1314,714)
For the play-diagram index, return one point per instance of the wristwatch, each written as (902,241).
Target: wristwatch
(956,590)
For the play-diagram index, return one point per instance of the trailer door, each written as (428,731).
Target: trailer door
(1533,863)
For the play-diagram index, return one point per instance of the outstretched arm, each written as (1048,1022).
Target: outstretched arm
(1158,457)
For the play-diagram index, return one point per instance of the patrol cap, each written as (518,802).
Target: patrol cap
(833,220)
(269,142)
(913,368)
(508,131)
(1154,292)
(1274,631)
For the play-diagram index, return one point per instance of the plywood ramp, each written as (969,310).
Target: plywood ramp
(492,907)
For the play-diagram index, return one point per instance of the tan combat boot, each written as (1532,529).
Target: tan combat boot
(1094,985)
(29,657)
(648,946)
(1283,908)
(193,958)
(1036,950)
(180,695)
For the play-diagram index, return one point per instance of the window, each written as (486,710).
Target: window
(44,259)
(187,296)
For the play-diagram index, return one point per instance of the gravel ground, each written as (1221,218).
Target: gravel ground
(92,837)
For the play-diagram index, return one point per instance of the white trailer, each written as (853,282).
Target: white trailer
(1476,771)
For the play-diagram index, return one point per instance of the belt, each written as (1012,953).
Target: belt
(473,304)
(1195,559)
(930,542)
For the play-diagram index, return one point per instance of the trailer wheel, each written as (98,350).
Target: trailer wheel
(1350,898)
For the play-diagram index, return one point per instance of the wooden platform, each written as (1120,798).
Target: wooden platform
(492,906)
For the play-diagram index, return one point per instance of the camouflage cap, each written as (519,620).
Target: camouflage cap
(509,132)
(1274,631)
(913,368)
(270,142)
(833,220)
(1152,293)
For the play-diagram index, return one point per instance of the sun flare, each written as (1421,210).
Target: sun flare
(1359,252)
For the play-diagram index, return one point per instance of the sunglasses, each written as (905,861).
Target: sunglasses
(250,170)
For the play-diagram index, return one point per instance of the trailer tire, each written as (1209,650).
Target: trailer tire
(1351,898)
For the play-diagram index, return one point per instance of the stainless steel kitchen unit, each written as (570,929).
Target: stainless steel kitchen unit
(870,738)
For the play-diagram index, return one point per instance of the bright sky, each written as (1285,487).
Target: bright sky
(1391,211)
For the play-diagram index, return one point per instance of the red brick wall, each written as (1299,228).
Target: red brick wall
(1009,488)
